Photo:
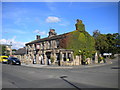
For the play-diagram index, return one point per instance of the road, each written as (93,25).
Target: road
(92,77)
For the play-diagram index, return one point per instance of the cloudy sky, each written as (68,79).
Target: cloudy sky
(22,21)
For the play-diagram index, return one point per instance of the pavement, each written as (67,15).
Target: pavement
(108,61)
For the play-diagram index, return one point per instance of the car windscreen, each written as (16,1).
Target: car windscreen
(13,58)
(4,58)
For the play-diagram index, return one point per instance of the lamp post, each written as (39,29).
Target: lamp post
(10,48)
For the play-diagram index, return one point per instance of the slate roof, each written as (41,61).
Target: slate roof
(20,51)
(48,38)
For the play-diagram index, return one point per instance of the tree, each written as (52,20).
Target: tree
(13,51)
(116,42)
(100,43)
(2,49)
(96,33)
(107,43)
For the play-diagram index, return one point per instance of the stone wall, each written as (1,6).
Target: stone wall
(22,58)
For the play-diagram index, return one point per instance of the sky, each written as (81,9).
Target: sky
(22,21)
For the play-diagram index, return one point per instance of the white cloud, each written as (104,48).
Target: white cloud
(40,32)
(51,19)
(15,44)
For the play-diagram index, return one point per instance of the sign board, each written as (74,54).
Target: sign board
(107,54)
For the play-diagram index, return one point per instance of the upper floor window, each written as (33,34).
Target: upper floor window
(57,42)
(48,45)
(51,44)
(44,45)
(33,46)
(41,46)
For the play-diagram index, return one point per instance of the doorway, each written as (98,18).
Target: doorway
(48,54)
(58,58)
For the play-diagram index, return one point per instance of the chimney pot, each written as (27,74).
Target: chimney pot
(37,37)
(52,32)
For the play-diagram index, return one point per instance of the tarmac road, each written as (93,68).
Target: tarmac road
(105,76)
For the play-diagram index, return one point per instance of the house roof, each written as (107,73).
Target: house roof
(20,51)
(48,38)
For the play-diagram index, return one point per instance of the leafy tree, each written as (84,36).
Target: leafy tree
(96,33)
(2,49)
(117,42)
(13,51)
(111,40)
(107,43)
(101,43)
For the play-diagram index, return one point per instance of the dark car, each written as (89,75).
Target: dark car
(14,61)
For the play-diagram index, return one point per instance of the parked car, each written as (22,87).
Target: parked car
(14,61)
(4,59)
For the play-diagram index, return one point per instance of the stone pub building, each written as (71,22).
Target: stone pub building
(40,51)
(52,49)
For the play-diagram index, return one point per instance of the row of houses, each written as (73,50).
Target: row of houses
(51,49)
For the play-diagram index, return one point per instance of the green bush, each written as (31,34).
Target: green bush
(52,59)
(100,59)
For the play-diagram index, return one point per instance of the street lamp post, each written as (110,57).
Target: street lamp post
(79,56)
(10,48)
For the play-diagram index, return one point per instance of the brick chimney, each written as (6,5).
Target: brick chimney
(52,32)
(37,37)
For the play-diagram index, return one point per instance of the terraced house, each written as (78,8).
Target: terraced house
(58,49)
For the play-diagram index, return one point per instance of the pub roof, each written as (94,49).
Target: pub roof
(20,51)
(48,38)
